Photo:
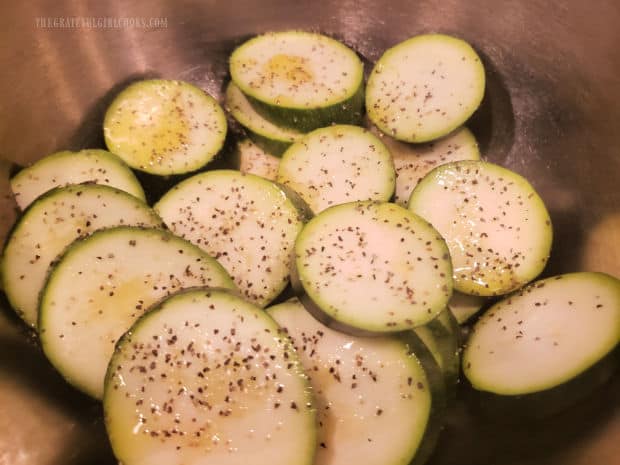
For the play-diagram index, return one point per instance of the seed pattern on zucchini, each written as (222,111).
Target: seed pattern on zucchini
(50,224)
(204,378)
(165,127)
(62,168)
(105,282)
(373,267)
(338,164)
(251,159)
(363,387)
(300,80)
(247,223)
(545,335)
(271,138)
(425,87)
(496,226)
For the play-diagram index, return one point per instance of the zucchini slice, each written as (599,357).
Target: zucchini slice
(62,168)
(372,267)
(301,80)
(249,158)
(204,378)
(546,335)
(363,387)
(246,222)
(102,284)
(496,226)
(425,87)
(413,162)
(464,306)
(338,164)
(50,224)
(271,138)
(165,127)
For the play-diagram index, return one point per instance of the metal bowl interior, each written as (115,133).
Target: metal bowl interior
(550,113)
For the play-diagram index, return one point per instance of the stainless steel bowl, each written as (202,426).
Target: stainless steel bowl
(551,112)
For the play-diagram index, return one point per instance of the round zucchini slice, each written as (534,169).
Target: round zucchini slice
(545,336)
(363,387)
(63,168)
(425,87)
(496,226)
(50,224)
(249,224)
(372,267)
(102,284)
(301,80)
(165,127)
(338,164)
(271,138)
(205,378)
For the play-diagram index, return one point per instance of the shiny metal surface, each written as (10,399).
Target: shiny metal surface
(551,113)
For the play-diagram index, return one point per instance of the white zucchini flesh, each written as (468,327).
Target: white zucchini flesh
(545,335)
(296,69)
(51,223)
(363,387)
(165,127)
(261,130)
(425,87)
(102,284)
(464,306)
(251,159)
(338,164)
(414,161)
(496,226)
(247,223)
(204,378)
(62,168)
(373,267)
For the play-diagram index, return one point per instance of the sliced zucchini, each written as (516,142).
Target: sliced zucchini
(204,378)
(246,222)
(496,226)
(102,284)
(271,138)
(301,80)
(251,159)
(546,335)
(464,306)
(338,164)
(372,267)
(165,127)
(50,224)
(63,168)
(425,87)
(413,162)
(363,387)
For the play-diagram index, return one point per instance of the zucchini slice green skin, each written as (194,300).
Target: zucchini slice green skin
(338,164)
(496,226)
(62,168)
(566,323)
(249,158)
(50,224)
(249,224)
(363,386)
(205,377)
(102,284)
(300,80)
(414,161)
(372,268)
(425,87)
(165,127)
(271,138)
